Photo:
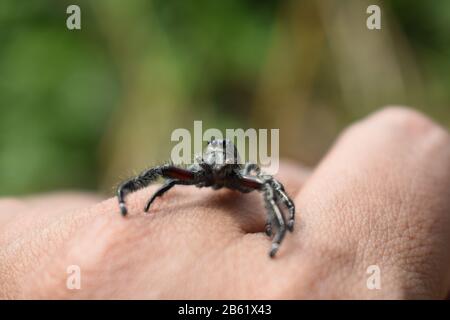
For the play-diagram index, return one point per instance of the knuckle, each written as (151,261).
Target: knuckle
(403,119)
(399,123)
(413,129)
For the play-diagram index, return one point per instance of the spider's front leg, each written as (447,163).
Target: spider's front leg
(175,174)
(279,195)
(273,191)
(276,214)
(283,197)
(166,187)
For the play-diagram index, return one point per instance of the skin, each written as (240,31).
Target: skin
(381,196)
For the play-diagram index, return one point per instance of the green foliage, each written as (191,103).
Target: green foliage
(57,88)
(63,94)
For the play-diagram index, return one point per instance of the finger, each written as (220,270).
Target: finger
(381,197)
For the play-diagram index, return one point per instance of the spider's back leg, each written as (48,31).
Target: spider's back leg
(169,184)
(147,177)
(276,215)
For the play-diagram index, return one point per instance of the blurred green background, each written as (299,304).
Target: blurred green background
(84,109)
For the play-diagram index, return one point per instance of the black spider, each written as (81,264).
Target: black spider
(219,167)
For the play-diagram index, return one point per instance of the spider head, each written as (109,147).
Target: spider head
(221,155)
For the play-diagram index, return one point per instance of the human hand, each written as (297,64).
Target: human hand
(380,197)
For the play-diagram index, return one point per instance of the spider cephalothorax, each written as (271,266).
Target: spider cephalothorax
(219,167)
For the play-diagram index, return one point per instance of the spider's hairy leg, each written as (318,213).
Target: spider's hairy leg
(270,219)
(272,192)
(291,207)
(147,177)
(169,184)
(283,197)
(165,187)
(248,183)
(279,236)
(136,183)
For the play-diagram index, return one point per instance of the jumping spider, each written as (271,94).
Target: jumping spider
(218,167)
